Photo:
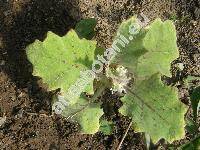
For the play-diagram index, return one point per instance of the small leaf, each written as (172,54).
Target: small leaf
(99,51)
(191,126)
(85,28)
(198,108)
(190,80)
(87,115)
(106,127)
(89,119)
(195,98)
(192,145)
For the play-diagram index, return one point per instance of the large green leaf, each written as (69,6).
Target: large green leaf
(60,60)
(155,109)
(63,62)
(87,115)
(149,50)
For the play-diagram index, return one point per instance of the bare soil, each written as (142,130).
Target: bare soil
(24,99)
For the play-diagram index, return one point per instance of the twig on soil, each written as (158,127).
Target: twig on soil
(122,140)
(36,114)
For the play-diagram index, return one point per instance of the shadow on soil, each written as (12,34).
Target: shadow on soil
(19,29)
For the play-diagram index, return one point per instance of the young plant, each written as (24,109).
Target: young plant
(153,106)
(194,144)
(195,101)
(134,68)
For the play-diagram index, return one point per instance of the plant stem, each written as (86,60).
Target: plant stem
(98,93)
(122,140)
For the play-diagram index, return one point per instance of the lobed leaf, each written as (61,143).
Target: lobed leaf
(151,50)
(86,114)
(59,60)
(153,106)
(155,109)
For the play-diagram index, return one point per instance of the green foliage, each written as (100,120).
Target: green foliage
(129,55)
(160,43)
(106,127)
(89,119)
(59,60)
(99,51)
(192,145)
(195,99)
(151,50)
(85,28)
(86,114)
(191,126)
(154,107)
(173,17)
(190,81)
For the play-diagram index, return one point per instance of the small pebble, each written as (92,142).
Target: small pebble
(2,120)
(2,63)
